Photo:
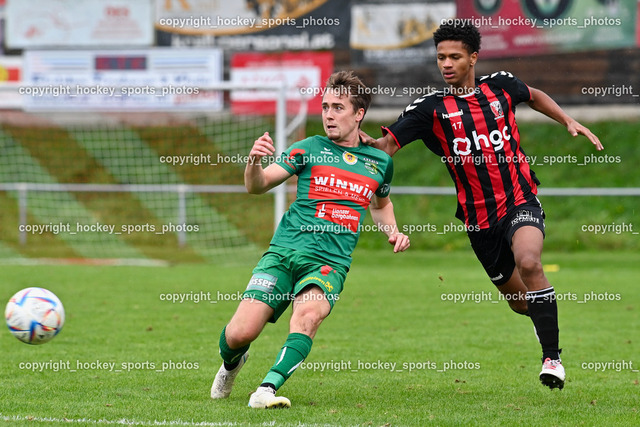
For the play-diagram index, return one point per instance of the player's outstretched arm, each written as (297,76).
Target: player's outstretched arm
(256,179)
(386,143)
(385,219)
(543,103)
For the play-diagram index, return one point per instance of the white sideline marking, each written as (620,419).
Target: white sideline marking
(136,262)
(121,421)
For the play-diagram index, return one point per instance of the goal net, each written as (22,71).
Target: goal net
(123,187)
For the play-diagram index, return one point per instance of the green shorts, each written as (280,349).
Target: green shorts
(283,273)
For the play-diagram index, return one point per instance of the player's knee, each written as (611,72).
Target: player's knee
(240,335)
(310,308)
(307,319)
(529,267)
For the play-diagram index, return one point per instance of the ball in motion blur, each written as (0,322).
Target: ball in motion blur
(34,315)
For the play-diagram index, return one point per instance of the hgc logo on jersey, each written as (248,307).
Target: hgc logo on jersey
(463,146)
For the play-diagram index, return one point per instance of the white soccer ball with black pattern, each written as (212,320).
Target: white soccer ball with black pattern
(34,315)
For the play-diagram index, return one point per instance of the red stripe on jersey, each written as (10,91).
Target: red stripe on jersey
(460,191)
(329,182)
(518,193)
(339,214)
(493,166)
(513,173)
(469,167)
(525,168)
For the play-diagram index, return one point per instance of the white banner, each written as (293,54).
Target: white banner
(396,26)
(86,23)
(152,79)
(198,17)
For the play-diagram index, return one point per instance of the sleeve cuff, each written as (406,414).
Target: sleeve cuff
(386,130)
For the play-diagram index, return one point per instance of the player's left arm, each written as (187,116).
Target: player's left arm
(543,103)
(385,219)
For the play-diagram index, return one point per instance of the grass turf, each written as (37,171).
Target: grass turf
(400,348)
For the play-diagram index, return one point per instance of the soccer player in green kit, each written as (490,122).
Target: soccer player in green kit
(310,253)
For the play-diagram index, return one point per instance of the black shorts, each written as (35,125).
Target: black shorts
(492,245)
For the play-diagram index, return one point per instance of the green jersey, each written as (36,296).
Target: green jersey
(335,187)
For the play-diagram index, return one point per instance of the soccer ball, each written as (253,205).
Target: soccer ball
(34,315)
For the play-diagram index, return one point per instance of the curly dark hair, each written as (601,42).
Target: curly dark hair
(460,30)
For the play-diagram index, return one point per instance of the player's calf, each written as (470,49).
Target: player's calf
(515,293)
(519,310)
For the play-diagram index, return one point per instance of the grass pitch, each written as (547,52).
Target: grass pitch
(419,338)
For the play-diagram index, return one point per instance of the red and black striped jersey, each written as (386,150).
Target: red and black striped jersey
(477,137)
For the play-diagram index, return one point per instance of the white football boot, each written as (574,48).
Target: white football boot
(223,382)
(552,374)
(265,398)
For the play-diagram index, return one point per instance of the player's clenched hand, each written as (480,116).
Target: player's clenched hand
(576,129)
(400,242)
(263,146)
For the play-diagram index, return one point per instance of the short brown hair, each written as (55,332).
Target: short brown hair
(347,83)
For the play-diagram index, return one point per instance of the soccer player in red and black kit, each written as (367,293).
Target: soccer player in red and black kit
(471,125)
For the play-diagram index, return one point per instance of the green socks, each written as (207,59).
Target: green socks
(295,349)
(229,356)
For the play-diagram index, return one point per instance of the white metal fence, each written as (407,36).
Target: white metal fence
(182,215)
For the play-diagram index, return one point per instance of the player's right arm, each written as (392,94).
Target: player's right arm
(387,143)
(256,179)
(414,123)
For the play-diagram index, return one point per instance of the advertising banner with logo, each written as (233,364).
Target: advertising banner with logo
(108,80)
(10,72)
(87,23)
(253,24)
(396,33)
(529,27)
(305,73)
